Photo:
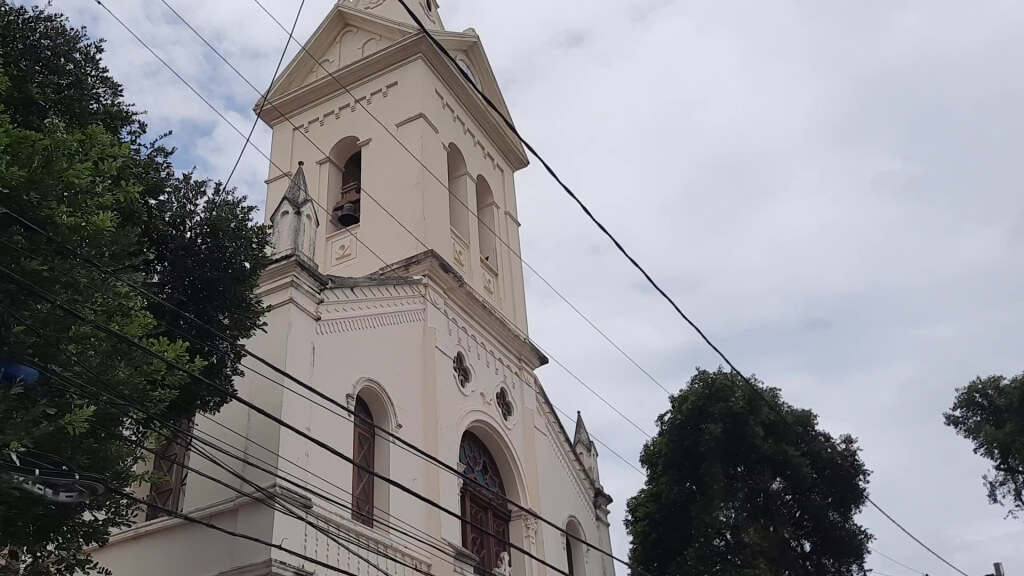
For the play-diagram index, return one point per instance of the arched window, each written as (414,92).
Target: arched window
(480,508)
(458,192)
(170,491)
(575,560)
(568,557)
(486,222)
(363,451)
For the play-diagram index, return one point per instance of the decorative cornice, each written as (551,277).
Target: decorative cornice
(368,322)
(369,306)
(364,70)
(369,539)
(457,119)
(273,179)
(350,107)
(202,512)
(513,218)
(268,567)
(415,117)
(489,320)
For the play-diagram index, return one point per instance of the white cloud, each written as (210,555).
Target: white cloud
(830,190)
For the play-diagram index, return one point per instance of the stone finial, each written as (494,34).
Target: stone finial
(295,219)
(298,190)
(582,436)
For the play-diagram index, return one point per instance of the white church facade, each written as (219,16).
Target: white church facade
(395,289)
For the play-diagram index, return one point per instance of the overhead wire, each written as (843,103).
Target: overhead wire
(386,433)
(511,324)
(895,561)
(361,241)
(107,330)
(643,271)
(259,112)
(679,311)
(246,458)
(214,421)
(275,503)
(496,235)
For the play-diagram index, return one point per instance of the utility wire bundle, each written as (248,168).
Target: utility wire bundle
(391,438)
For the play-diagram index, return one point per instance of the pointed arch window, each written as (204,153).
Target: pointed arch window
(480,508)
(362,477)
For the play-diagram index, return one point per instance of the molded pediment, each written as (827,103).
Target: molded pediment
(468,47)
(343,37)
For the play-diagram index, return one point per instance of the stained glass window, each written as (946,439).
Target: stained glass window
(477,463)
(482,510)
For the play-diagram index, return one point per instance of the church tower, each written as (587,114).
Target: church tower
(396,289)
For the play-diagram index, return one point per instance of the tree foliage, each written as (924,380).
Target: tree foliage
(990,413)
(75,161)
(733,490)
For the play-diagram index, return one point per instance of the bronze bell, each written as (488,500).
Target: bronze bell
(348,215)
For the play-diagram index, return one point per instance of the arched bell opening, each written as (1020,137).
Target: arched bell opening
(345,182)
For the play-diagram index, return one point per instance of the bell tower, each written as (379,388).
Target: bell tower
(401,155)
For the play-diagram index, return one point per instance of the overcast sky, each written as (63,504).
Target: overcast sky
(828,190)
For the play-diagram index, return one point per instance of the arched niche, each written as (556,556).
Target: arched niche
(484,506)
(370,401)
(344,182)
(459,183)
(487,222)
(575,550)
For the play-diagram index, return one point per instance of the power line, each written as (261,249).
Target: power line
(895,561)
(245,459)
(56,301)
(281,507)
(444,185)
(256,120)
(384,208)
(497,236)
(387,434)
(915,538)
(629,257)
(511,324)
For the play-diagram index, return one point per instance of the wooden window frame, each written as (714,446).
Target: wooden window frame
(484,508)
(364,452)
(172,461)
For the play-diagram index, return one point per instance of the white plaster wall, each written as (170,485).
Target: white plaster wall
(405,200)
(170,547)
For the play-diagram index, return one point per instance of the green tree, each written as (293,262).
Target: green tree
(733,490)
(990,413)
(76,162)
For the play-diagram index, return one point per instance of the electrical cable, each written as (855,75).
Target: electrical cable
(56,301)
(81,386)
(387,434)
(510,324)
(443,184)
(256,120)
(895,561)
(629,257)
(422,453)
(29,255)
(672,302)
